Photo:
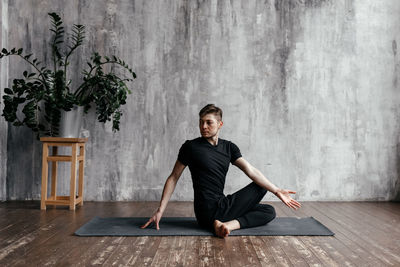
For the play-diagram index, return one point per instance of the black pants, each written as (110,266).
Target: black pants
(243,206)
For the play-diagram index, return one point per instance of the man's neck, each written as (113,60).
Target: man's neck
(213,140)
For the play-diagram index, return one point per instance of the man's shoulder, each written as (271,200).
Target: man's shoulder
(189,142)
(225,141)
(194,140)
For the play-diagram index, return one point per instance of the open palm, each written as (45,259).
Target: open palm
(284,195)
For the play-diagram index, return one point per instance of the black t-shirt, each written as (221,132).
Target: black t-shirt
(208,166)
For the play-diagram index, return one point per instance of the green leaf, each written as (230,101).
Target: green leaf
(7,98)
(4,51)
(8,91)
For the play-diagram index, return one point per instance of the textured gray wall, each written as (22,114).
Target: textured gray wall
(309,91)
(3,83)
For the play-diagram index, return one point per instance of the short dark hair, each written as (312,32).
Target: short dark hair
(211,108)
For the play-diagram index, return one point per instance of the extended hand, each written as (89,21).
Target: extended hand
(283,195)
(155,218)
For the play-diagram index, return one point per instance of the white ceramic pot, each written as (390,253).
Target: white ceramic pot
(71,121)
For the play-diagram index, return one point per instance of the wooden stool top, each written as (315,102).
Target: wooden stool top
(63,139)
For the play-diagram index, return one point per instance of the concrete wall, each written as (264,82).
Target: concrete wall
(309,90)
(3,84)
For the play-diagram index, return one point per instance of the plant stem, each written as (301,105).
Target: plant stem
(40,73)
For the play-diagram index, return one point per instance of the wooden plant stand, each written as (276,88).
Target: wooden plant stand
(55,142)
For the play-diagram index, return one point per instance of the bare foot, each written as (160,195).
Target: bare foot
(221,229)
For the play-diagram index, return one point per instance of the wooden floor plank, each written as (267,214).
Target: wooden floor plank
(334,245)
(375,217)
(40,237)
(277,252)
(49,247)
(176,252)
(305,252)
(364,220)
(392,217)
(247,251)
(19,226)
(221,253)
(311,243)
(163,252)
(192,251)
(206,255)
(146,256)
(263,252)
(390,206)
(359,254)
(366,234)
(369,245)
(386,243)
(89,250)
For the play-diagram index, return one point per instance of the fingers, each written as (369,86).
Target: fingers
(291,192)
(150,221)
(147,223)
(290,205)
(295,203)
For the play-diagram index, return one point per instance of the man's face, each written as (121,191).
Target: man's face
(209,125)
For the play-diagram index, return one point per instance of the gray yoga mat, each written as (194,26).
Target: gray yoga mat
(188,226)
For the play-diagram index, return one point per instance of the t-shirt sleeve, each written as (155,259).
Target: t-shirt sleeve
(184,153)
(235,152)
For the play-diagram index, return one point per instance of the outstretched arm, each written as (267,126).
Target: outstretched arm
(262,181)
(169,188)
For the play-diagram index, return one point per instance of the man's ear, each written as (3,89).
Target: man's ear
(221,123)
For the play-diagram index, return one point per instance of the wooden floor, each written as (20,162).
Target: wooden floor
(366,234)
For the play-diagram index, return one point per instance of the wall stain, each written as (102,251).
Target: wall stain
(394,47)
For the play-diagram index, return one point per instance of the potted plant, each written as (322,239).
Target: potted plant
(45,92)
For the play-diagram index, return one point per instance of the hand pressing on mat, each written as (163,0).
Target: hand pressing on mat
(155,218)
(283,195)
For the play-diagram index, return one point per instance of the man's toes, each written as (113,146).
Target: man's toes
(226,231)
(220,231)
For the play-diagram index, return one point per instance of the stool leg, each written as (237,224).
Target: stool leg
(44,176)
(73,179)
(81,171)
(54,165)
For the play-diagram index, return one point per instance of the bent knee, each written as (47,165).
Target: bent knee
(273,212)
(269,211)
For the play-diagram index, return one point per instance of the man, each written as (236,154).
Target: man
(208,158)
